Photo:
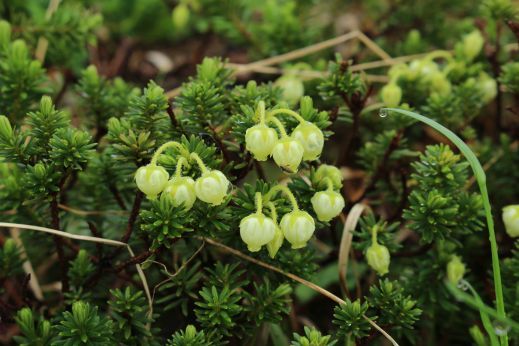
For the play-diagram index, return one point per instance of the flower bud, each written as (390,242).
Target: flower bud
(327,204)
(182,191)
(378,258)
(212,187)
(455,270)
(472,45)
(288,153)
(274,245)
(391,95)
(292,88)
(260,140)
(298,227)
(180,16)
(331,172)
(511,220)
(257,230)
(151,180)
(312,139)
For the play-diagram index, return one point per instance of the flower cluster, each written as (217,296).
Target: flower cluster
(211,187)
(305,143)
(432,78)
(297,226)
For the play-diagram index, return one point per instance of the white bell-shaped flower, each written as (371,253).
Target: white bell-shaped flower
(260,140)
(288,153)
(298,227)
(212,187)
(257,230)
(151,179)
(182,191)
(312,139)
(327,204)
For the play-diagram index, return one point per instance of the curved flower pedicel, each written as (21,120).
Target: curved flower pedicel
(297,226)
(261,139)
(181,189)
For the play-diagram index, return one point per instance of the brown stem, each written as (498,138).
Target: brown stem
(133,216)
(118,198)
(381,168)
(131,223)
(134,260)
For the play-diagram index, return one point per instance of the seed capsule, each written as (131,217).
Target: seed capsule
(260,140)
(288,153)
(312,139)
(298,227)
(327,205)
(257,230)
(378,258)
(511,220)
(182,191)
(212,187)
(151,180)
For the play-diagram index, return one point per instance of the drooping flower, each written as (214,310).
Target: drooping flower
(288,153)
(378,258)
(182,191)
(212,187)
(260,140)
(151,179)
(327,204)
(312,139)
(257,230)
(298,227)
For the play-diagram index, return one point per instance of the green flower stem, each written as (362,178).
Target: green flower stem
(164,147)
(258,199)
(374,236)
(200,163)
(280,126)
(289,112)
(286,191)
(261,111)
(480,306)
(487,324)
(329,183)
(481,179)
(178,169)
(273,212)
(439,54)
